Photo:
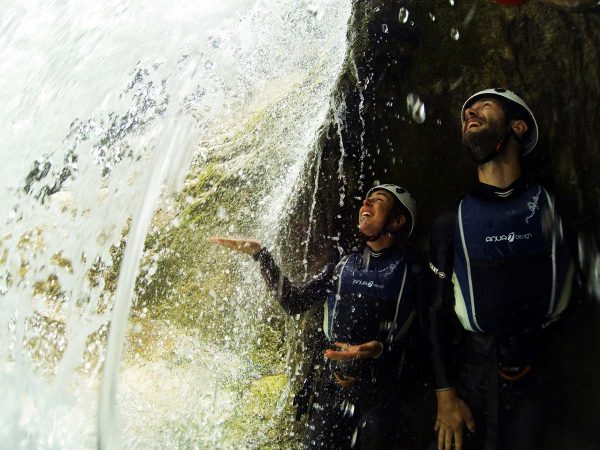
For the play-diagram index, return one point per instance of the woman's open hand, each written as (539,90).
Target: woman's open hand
(247,246)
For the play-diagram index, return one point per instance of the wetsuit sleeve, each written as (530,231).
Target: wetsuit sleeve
(293,299)
(441,317)
(570,234)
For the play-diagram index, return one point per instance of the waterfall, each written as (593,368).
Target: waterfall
(131,132)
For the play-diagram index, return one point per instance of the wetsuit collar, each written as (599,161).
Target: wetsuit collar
(380,253)
(369,254)
(492,193)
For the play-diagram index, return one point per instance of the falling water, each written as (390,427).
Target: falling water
(106,105)
(361,110)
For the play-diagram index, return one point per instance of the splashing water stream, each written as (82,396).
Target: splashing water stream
(104,113)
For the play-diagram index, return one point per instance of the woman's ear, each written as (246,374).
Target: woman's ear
(398,222)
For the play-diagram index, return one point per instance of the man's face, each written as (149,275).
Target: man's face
(483,128)
(373,214)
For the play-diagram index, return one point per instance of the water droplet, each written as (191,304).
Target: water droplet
(451,2)
(215,41)
(354,436)
(454,34)
(158,63)
(222,214)
(432,17)
(403,15)
(313,9)
(351,410)
(595,276)
(470,15)
(415,107)
(384,27)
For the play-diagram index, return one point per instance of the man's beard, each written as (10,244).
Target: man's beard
(482,144)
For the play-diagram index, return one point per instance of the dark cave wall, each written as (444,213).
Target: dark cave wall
(550,57)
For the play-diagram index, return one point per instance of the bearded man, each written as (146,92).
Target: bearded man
(501,276)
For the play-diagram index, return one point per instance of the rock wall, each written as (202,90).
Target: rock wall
(442,53)
(438,53)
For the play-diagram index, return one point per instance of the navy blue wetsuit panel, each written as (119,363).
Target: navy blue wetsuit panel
(497,244)
(369,301)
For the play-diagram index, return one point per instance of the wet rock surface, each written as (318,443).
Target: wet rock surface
(395,118)
(440,53)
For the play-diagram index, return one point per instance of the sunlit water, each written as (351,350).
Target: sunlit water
(105,105)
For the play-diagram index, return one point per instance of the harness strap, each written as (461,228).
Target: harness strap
(493,398)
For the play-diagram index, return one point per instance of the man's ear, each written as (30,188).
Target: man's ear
(398,222)
(519,127)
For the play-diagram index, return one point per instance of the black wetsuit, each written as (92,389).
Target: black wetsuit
(501,275)
(366,296)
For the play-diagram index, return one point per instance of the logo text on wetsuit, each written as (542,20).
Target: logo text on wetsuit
(533,205)
(437,271)
(511,237)
(368,283)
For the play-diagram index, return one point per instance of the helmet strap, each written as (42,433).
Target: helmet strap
(500,146)
(385,229)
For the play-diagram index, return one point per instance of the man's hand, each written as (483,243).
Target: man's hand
(371,349)
(247,246)
(452,413)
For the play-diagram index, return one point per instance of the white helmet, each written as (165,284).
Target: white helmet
(505,94)
(403,197)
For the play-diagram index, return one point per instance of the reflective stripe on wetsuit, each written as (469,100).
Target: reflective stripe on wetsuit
(511,268)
